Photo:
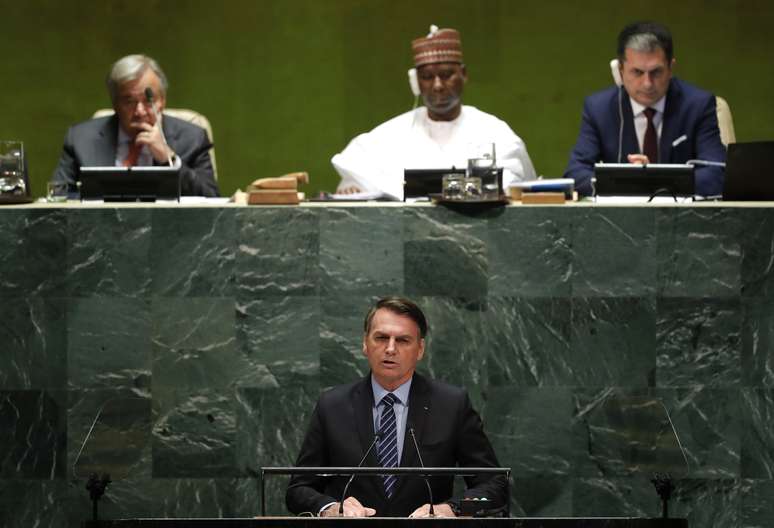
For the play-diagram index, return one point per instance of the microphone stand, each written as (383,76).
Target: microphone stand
(377,437)
(431,512)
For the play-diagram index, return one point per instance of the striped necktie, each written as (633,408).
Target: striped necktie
(387,454)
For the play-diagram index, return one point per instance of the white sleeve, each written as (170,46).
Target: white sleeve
(512,156)
(358,166)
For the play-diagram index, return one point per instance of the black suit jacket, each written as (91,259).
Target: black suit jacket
(93,144)
(689,112)
(448,430)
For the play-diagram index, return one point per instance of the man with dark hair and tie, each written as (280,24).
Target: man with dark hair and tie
(396,402)
(652,118)
(138,133)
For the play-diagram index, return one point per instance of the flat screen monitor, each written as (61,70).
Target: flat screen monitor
(633,179)
(130,184)
(421,183)
(749,171)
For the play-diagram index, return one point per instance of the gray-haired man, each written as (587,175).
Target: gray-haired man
(133,135)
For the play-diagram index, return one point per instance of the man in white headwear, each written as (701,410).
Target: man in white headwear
(442,134)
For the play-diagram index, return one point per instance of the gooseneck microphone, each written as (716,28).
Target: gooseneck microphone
(424,477)
(377,437)
(149,98)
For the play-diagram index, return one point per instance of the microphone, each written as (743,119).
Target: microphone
(149,97)
(424,477)
(377,437)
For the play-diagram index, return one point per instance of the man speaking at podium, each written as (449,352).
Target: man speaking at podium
(380,413)
(138,134)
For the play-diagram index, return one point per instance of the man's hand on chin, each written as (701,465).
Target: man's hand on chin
(151,136)
(352,508)
(440,510)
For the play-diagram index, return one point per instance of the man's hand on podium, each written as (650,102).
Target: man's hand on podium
(440,510)
(352,508)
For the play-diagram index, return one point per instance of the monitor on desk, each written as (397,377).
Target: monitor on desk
(633,179)
(421,183)
(749,171)
(130,184)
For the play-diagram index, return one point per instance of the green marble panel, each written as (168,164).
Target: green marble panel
(444,254)
(341,338)
(757,240)
(33,333)
(757,506)
(109,342)
(613,342)
(277,252)
(615,497)
(271,424)
(706,421)
(160,498)
(699,252)
(33,433)
(453,351)
(705,503)
(278,337)
(108,252)
(698,342)
(527,342)
(194,433)
(529,253)
(708,503)
(361,251)
(38,503)
(757,408)
(530,430)
(758,342)
(613,252)
(33,259)
(543,496)
(194,344)
(193,252)
(709,424)
(88,412)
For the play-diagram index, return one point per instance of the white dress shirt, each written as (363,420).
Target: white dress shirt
(641,122)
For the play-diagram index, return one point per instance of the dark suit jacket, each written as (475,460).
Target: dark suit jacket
(448,430)
(93,144)
(688,111)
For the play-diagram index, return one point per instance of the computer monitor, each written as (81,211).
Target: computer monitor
(749,172)
(130,184)
(633,179)
(421,183)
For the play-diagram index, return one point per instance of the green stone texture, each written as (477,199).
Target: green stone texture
(228,322)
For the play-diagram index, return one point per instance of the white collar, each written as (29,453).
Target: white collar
(637,108)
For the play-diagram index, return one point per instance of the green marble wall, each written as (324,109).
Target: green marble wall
(230,321)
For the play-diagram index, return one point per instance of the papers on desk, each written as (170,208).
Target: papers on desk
(548,185)
(360,197)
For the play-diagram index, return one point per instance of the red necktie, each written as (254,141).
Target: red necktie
(134,153)
(650,144)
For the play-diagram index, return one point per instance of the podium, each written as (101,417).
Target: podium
(393,522)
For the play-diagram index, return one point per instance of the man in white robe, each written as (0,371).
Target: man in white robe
(442,134)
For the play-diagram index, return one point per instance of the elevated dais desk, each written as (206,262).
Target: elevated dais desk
(388,522)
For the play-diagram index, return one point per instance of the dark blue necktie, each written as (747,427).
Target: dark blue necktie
(388,444)
(650,141)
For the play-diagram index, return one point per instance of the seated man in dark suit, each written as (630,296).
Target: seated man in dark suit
(653,118)
(133,135)
(395,401)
